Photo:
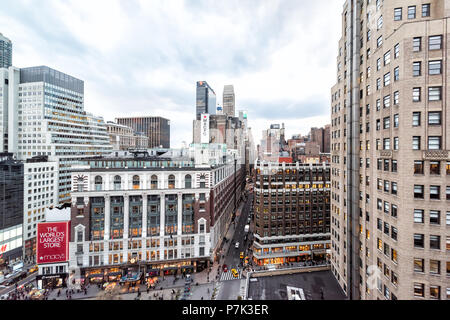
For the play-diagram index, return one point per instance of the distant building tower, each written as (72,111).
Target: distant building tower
(157,129)
(206,99)
(5,52)
(228,100)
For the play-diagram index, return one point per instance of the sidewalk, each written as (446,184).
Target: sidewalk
(206,276)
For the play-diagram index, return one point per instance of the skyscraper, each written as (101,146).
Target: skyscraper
(46,117)
(157,129)
(228,100)
(5,52)
(390,151)
(206,99)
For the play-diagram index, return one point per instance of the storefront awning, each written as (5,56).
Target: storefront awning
(111,274)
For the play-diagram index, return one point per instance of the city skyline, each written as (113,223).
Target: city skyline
(205,150)
(164,68)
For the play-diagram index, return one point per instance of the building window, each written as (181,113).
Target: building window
(98,183)
(434,143)
(188,181)
(417,44)
(386,123)
(396,120)
(418,216)
(136,182)
(387,79)
(154,182)
(434,118)
(419,289)
(171,181)
(426,10)
(396,74)
(435,217)
(387,101)
(117,182)
(419,240)
(396,98)
(416,119)
(435,67)
(419,265)
(435,42)
(435,242)
(411,12)
(380,23)
(435,167)
(396,50)
(394,188)
(418,191)
(416,94)
(435,292)
(435,192)
(387,58)
(394,210)
(416,143)
(397,14)
(417,69)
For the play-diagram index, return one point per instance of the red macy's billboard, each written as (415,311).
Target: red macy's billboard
(52,242)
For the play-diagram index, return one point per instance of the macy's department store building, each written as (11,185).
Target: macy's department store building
(144,217)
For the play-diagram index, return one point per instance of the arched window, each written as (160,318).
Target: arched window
(171,181)
(98,181)
(117,183)
(135,182)
(80,184)
(188,181)
(154,182)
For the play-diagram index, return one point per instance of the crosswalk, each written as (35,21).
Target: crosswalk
(226,276)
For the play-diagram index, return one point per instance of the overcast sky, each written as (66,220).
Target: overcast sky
(143,58)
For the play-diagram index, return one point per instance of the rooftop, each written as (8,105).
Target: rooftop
(275,287)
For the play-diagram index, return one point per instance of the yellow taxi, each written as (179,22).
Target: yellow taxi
(241,255)
(33,269)
(234,273)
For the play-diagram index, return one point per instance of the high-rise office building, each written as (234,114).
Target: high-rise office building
(390,151)
(5,52)
(11,209)
(157,129)
(46,117)
(292,212)
(206,99)
(229,100)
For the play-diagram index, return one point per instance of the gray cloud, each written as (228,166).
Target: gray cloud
(145,56)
